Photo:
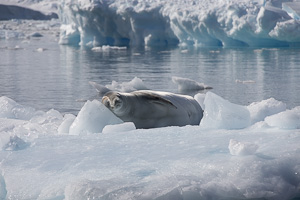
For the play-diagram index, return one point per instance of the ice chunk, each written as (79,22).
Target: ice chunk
(15,143)
(3,191)
(287,30)
(269,15)
(185,84)
(293,9)
(135,84)
(200,99)
(92,118)
(4,139)
(69,34)
(237,148)
(260,110)
(289,119)
(64,127)
(49,120)
(127,126)
(244,81)
(222,114)
(10,109)
(107,48)
(40,49)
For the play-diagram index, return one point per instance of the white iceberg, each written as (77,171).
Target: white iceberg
(199,23)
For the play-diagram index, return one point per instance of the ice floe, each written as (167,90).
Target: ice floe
(224,157)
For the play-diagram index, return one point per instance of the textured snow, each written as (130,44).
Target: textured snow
(40,159)
(182,22)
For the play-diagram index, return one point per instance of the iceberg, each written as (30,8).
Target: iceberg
(17,12)
(29,9)
(253,23)
(293,9)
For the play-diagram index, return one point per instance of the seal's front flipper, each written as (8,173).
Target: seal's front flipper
(158,100)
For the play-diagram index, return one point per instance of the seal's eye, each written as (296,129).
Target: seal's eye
(117,102)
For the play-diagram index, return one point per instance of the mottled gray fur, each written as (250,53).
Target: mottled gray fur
(152,109)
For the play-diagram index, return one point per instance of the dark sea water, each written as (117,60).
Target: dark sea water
(40,73)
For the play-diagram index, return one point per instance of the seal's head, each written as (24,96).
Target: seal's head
(113,101)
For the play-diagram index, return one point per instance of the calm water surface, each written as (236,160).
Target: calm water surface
(58,76)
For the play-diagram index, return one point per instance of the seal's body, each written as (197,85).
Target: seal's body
(152,109)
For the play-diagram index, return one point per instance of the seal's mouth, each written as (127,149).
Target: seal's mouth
(106,102)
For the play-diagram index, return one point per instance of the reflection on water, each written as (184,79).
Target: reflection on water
(58,76)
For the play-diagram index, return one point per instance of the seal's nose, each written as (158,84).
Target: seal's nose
(106,101)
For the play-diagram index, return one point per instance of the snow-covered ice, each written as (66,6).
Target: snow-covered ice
(200,23)
(42,158)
